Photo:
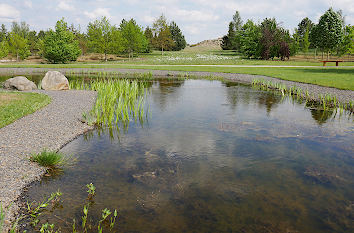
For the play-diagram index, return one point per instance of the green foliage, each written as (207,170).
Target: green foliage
(232,41)
(162,38)
(21,29)
(133,37)
(149,37)
(347,44)
(3,32)
(250,34)
(18,46)
(35,210)
(329,31)
(4,49)
(100,36)
(50,159)
(177,37)
(60,46)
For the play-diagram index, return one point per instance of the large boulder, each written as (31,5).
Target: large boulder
(54,80)
(20,83)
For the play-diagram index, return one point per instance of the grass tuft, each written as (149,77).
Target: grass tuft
(50,159)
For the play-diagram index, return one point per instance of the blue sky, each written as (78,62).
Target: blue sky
(198,19)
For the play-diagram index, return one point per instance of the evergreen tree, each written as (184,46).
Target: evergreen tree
(177,37)
(149,37)
(60,45)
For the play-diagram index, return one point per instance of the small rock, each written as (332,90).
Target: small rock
(20,83)
(54,80)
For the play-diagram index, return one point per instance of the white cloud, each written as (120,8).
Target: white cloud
(8,13)
(97,13)
(65,6)
(28,3)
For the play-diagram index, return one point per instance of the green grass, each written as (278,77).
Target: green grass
(341,78)
(14,105)
(50,159)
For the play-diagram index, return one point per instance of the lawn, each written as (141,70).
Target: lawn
(14,105)
(307,70)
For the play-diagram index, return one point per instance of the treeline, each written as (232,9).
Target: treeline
(269,39)
(66,43)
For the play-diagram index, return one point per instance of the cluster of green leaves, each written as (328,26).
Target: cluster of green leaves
(268,40)
(106,38)
(164,36)
(60,46)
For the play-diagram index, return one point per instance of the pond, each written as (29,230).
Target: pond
(213,157)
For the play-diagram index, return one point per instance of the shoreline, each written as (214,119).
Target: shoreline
(51,128)
(343,96)
(24,173)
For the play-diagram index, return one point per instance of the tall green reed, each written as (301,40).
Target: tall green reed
(119,101)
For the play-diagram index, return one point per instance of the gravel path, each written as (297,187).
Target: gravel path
(342,95)
(51,127)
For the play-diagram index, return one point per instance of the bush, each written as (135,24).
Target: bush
(60,46)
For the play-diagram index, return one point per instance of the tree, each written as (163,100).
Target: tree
(21,29)
(304,26)
(232,40)
(149,37)
(3,33)
(100,34)
(60,45)
(330,31)
(347,44)
(18,46)
(162,38)
(133,37)
(33,42)
(177,37)
(4,49)
(250,36)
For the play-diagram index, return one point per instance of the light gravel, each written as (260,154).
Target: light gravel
(343,96)
(50,127)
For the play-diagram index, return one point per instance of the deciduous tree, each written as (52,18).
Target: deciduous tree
(18,46)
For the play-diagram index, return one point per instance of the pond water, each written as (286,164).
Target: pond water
(213,157)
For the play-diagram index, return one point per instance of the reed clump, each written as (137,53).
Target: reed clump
(119,101)
(324,102)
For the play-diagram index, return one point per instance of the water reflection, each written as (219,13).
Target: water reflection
(214,158)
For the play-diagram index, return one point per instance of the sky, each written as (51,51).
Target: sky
(198,19)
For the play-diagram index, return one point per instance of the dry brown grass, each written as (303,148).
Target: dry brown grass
(7,98)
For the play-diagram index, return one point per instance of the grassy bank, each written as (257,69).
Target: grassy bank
(14,105)
(338,77)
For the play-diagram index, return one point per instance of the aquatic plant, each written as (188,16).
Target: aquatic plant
(50,159)
(34,211)
(118,101)
(324,102)
(91,190)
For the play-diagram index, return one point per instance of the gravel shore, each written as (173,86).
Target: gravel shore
(51,127)
(342,95)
